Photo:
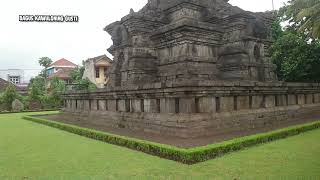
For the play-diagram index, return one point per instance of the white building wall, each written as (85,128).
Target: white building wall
(26,75)
(5,74)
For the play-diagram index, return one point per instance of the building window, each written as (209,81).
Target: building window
(14,79)
(97,73)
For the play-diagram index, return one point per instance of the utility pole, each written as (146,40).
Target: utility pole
(272,5)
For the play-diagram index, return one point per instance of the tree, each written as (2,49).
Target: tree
(57,85)
(303,16)
(296,53)
(36,88)
(85,84)
(2,104)
(81,84)
(52,99)
(276,30)
(77,74)
(9,95)
(45,62)
(296,59)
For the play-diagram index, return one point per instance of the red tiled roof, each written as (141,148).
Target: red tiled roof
(62,74)
(63,62)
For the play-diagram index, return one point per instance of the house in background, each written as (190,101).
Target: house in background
(14,76)
(21,88)
(97,70)
(61,69)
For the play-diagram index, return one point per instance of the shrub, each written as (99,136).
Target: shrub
(2,105)
(9,95)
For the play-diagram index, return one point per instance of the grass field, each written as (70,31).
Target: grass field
(32,151)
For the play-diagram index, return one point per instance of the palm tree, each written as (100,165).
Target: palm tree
(45,62)
(307,13)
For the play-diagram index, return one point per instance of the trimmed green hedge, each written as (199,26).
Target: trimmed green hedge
(186,156)
(26,111)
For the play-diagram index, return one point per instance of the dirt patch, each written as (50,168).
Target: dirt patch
(181,142)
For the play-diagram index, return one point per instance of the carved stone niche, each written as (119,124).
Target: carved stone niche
(233,63)
(142,66)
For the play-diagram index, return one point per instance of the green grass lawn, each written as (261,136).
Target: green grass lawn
(32,151)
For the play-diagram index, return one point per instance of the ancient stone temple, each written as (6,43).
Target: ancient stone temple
(191,68)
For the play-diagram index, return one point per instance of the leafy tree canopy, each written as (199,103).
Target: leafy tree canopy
(296,59)
(79,82)
(296,54)
(45,62)
(37,88)
(303,16)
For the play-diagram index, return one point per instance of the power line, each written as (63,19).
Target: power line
(21,69)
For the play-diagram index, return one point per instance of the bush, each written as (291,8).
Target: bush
(84,84)
(31,111)
(51,102)
(2,105)
(187,156)
(9,95)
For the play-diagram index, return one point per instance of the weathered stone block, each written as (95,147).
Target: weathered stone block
(270,101)
(87,105)
(187,105)
(94,105)
(136,105)
(316,98)
(257,102)
(207,105)
(151,106)
(309,98)
(167,105)
(112,105)
(69,104)
(301,99)
(81,104)
(292,99)
(243,102)
(281,100)
(226,104)
(102,105)
(17,106)
(73,104)
(122,106)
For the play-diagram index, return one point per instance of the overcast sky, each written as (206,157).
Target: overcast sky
(21,44)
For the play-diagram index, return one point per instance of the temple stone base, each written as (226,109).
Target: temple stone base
(190,112)
(196,125)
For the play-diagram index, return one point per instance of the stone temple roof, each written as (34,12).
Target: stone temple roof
(166,4)
(157,11)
